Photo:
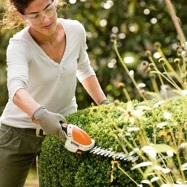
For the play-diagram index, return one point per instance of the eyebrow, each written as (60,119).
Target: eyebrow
(40,11)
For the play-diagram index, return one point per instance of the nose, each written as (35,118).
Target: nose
(45,18)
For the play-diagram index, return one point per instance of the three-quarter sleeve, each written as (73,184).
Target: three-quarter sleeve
(84,68)
(17,66)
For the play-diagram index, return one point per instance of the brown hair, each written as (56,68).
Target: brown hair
(11,18)
(21,5)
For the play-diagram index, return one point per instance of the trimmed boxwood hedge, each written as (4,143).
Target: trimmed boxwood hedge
(59,167)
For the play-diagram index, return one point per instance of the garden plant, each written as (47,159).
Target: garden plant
(152,134)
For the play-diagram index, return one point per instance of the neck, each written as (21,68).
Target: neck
(42,39)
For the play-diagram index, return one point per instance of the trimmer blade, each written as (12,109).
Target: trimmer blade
(108,153)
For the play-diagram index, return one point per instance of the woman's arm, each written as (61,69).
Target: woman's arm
(25,102)
(50,122)
(93,88)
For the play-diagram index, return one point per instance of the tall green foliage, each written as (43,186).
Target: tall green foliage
(3,45)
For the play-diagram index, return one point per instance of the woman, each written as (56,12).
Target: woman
(43,61)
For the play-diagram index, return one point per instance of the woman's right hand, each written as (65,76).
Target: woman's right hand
(50,122)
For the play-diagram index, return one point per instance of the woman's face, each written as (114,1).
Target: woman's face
(42,16)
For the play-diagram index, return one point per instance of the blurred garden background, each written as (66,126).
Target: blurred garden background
(137,26)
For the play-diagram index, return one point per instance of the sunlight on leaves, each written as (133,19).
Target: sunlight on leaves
(143,164)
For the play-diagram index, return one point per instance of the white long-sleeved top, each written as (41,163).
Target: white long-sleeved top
(51,84)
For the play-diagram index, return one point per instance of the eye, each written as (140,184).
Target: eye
(36,16)
(49,8)
(33,16)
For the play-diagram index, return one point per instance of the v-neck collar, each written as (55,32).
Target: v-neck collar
(43,52)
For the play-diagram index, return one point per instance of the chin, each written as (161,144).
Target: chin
(50,29)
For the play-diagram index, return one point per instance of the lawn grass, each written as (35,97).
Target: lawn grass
(32,180)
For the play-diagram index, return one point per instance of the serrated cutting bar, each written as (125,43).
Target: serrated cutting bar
(108,153)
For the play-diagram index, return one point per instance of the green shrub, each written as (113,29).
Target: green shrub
(129,127)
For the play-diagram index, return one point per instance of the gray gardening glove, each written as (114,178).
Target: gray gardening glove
(50,122)
(104,102)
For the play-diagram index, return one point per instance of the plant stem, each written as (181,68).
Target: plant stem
(171,82)
(155,86)
(153,62)
(126,94)
(170,68)
(118,166)
(176,23)
(127,71)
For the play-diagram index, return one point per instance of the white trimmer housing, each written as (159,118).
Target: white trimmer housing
(78,141)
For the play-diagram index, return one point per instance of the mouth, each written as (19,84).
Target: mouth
(48,26)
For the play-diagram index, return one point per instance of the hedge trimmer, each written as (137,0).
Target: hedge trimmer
(78,141)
